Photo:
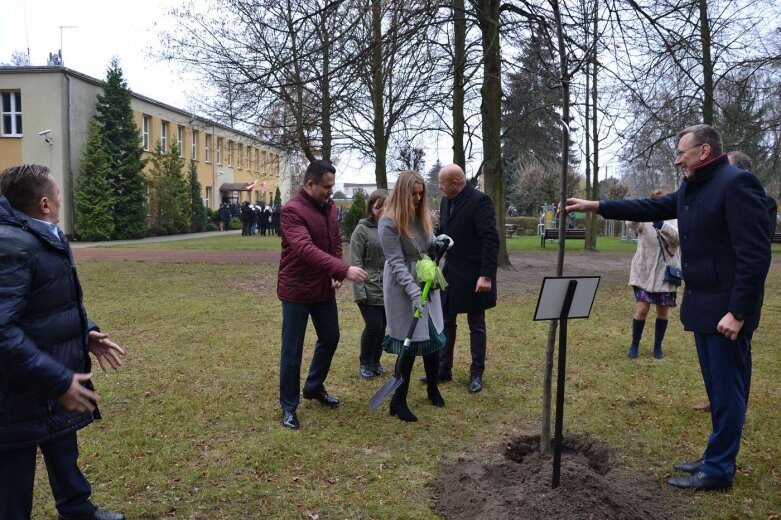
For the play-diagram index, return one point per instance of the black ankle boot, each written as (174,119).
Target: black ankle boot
(399,408)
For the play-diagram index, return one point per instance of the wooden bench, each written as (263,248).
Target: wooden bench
(553,234)
(776,238)
(510,230)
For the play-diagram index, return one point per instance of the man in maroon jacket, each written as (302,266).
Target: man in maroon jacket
(310,271)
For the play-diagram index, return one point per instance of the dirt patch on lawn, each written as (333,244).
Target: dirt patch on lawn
(513,480)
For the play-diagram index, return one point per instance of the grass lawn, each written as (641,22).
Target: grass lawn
(226,243)
(191,423)
(269,243)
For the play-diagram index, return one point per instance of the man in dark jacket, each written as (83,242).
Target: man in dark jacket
(46,392)
(225,216)
(310,270)
(725,251)
(246,219)
(467,217)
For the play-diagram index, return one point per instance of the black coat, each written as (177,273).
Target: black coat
(725,249)
(43,332)
(472,226)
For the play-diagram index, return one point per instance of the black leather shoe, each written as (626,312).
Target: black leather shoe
(95,515)
(689,467)
(475,384)
(324,397)
(289,420)
(700,482)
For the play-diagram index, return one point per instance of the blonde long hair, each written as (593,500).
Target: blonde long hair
(400,208)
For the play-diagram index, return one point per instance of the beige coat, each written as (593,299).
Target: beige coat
(648,266)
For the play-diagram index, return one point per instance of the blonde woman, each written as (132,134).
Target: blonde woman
(406,235)
(657,246)
(366,252)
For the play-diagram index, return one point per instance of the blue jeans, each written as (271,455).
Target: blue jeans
(295,316)
(69,486)
(726,371)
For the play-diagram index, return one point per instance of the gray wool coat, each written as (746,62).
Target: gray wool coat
(648,265)
(400,284)
(366,252)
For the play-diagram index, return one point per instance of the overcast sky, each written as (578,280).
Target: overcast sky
(99,31)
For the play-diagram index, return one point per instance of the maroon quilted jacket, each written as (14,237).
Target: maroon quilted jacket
(311,250)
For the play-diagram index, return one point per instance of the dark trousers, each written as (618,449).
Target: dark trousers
(69,486)
(294,320)
(477,341)
(373,333)
(245,228)
(726,371)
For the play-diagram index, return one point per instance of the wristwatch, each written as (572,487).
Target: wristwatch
(738,316)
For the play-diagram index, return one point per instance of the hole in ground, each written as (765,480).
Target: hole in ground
(599,457)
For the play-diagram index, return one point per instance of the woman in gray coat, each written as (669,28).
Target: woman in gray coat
(657,246)
(366,252)
(406,235)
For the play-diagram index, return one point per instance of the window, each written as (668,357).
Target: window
(208,199)
(164,136)
(207,147)
(145,131)
(194,155)
(238,155)
(219,150)
(12,113)
(249,150)
(180,140)
(230,153)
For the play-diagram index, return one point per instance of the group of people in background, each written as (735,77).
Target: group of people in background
(256,219)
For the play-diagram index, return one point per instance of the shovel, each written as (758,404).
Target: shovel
(429,274)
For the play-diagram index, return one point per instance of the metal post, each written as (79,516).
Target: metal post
(560,382)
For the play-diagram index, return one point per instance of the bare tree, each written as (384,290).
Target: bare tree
(272,65)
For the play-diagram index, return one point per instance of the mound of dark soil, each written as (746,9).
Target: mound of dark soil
(513,480)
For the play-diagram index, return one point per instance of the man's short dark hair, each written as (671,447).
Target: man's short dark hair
(25,185)
(704,134)
(740,160)
(317,169)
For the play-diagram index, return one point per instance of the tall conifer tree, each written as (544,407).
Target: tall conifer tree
(122,143)
(197,209)
(94,196)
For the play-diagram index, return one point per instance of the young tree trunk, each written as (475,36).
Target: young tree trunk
(325,88)
(380,146)
(594,195)
(459,65)
(565,109)
(707,64)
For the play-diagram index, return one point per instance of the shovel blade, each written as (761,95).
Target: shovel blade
(387,389)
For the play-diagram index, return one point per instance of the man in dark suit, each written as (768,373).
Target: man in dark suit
(467,217)
(46,391)
(725,249)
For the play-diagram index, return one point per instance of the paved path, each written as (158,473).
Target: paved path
(169,238)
